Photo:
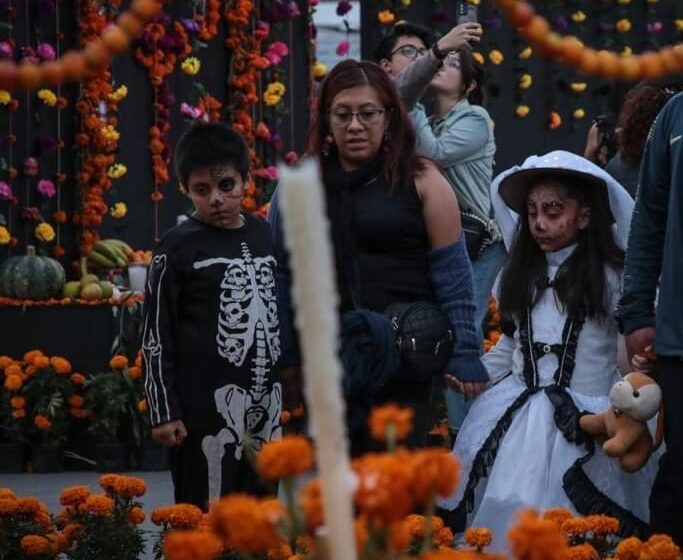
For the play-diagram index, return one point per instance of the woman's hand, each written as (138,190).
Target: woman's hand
(645,362)
(461,36)
(469,389)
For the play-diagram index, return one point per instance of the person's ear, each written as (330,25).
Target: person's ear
(473,85)
(584,217)
(385,64)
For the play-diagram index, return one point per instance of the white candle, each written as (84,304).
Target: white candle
(307,237)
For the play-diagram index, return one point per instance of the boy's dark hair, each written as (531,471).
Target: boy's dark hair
(207,145)
(402,29)
(581,286)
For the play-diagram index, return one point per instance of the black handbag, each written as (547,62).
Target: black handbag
(477,234)
(424,337)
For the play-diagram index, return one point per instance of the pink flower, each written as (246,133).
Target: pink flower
(268,173)
(654,27)
(276,52)
(31,167)
(191,112)
(313,2)
(291,158)
(343,48)
(293,9)
(46,188)
(5,191)
(6,50)
(262,30)
(46,51)
(31,214)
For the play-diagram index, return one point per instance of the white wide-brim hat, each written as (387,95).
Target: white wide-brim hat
(510,190)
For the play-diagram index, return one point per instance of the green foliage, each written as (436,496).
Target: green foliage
(46,393)
(111,398)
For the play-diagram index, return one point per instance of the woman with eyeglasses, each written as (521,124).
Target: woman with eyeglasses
(394,236)
(458,137)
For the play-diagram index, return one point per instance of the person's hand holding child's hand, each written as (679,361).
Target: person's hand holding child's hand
(469,389)
(644,362)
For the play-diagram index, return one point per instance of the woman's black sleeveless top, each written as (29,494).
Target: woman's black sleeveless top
(380,238)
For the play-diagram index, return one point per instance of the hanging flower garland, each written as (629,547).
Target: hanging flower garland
(98,137)
(570,50)
(246,64)
(162,43)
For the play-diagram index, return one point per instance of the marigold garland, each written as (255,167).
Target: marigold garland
(569,50)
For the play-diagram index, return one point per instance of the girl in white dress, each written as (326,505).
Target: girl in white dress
(565,223)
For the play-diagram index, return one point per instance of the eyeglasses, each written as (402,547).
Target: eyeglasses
(367,117)
(409,51)
(452,62)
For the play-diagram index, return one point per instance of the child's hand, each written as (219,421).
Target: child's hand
(644,362)
(170,434)
(469,389)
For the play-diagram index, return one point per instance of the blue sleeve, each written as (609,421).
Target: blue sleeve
(289,339)
(451,275)
(646,239)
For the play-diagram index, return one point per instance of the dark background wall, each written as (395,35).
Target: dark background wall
(518,138)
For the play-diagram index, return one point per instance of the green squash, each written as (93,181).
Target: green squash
(31,277)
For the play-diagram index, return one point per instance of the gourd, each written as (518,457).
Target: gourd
(31,277)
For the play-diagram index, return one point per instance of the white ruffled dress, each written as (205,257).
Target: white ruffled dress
(513,454)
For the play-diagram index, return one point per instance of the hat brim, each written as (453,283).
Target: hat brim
(514,189)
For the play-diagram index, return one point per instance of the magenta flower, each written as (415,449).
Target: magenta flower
(293,10)
(31,167)
(31,214)
(262,30)
(291,158)
(276,52)
(5,192)
(46,188)
(313,2)
(6,50)
(191,112)
(654,27)
(344,7)
(343,48)
(46,51)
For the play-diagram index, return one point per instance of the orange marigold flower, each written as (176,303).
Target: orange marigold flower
(8,507)
(536,538)
(14,369)
(74,496)
(41,362)
(390,417)
(118,362)
(179,516)
(443,537)
(17,403)
(108,481)
(31,355)
(7,494)
(285,417)
(478,538)
(143,408)
(629,549)
(580,552)
(77,379)
(30,506)
(135,372)
(435,473)
(34,545)
(243,524)
(75,401)
(136,515)
(42,422)
(190,545)
(19,414)
(13,383)
(285,458)
(58,542)
(660,547)
(602,525)
(385,490)
(575,526)
(61,366)
(311,502)
(5,361)
(129,487)
(98,505)
(43,520)
(558,515)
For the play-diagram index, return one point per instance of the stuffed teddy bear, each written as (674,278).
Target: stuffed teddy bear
(623,427)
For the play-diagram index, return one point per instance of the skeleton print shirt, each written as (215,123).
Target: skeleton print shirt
(211,334)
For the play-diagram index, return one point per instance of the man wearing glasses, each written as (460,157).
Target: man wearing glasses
(412,59)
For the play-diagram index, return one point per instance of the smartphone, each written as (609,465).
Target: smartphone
(466,13)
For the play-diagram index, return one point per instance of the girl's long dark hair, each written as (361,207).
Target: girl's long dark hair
(581,286)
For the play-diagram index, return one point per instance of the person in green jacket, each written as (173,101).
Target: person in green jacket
(655,260)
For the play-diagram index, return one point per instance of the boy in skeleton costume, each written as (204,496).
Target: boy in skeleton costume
(211,335)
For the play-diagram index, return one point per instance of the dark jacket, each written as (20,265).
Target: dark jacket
(656,239)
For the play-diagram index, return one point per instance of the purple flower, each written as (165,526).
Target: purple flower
(46,143)
(46,188)
(293,10)
(344,7)
(5,192)
(561,23)
(494,23)
(46,51)
(190,25)
(654,27)
(31,167)
(6,50)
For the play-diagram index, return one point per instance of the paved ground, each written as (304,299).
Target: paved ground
(47,487)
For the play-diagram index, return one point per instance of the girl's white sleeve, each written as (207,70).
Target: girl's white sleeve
(498,360)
